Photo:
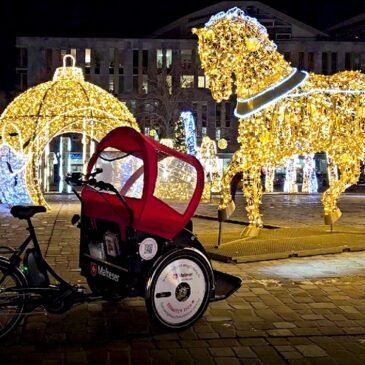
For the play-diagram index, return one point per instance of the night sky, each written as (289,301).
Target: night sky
(135,18)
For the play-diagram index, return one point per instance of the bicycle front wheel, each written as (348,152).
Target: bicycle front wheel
(11,303)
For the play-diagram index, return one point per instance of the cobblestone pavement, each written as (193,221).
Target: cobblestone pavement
(297,311)
(298,210)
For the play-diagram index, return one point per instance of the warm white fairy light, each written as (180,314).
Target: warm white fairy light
(63,105)
(293,113)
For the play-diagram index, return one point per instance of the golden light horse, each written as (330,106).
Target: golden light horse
(283,111)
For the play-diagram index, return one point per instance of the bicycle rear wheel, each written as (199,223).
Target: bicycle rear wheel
(11,303)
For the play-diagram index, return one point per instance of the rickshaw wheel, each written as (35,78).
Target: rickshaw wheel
(179,288)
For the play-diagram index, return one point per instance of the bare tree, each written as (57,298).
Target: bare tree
(159,107)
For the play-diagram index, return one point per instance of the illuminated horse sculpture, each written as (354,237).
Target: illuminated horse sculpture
(282,111)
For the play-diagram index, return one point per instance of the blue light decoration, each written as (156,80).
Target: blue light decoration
(190,132)
(13,189)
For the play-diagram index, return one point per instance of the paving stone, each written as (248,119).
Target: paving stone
(311,351)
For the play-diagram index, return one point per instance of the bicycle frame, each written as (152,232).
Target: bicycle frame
(15,260)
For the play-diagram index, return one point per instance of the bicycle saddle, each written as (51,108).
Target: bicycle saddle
(25,212)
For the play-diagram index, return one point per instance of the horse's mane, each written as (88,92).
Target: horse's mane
(239,14)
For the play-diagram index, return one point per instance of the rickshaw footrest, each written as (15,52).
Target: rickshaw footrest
(225,285)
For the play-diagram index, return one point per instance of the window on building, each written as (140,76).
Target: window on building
(73,53)
(87,60)
(333,62)
(159,58)
(135,83)
(204,115)
(227,115)
(203,82)
(132,105)
(21,80)
(87,57)
(135,61)
(120,63)
(325,63)
(168,58)
(218,134)
(111,60)
(356,61)
(287,56)
(218,115)
(197,60)
(121,84)
(204,131)
(186,58)
(111,83)
(97,59)
(310,61)
(63,53)
(301,60)
(145,60)
(187,81)
(144,84)
(22,57)
(348,61)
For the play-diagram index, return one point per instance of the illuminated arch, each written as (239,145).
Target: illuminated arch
(67,104)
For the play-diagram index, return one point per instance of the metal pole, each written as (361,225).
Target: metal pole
(219,235)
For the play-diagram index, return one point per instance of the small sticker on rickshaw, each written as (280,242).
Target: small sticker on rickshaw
(148,248)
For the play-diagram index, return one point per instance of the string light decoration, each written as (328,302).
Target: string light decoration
(269,179)
(12,176)
(67,104)
(283,111)
(310,183)
(290,183)
(179,135)
(190,132)
(209,159)
(222,144)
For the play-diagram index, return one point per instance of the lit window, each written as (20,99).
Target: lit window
(202,82)
(73,53)
(187,81)
(217,134)
(186,58)
(159,58)
(87,56)
(168,58)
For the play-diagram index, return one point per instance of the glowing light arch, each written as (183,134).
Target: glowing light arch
(67,104)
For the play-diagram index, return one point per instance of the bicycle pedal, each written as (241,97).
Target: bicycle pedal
(79,288)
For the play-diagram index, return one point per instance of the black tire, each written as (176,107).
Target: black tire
(15,278)
(179,288)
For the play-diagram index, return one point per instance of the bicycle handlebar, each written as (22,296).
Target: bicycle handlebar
(102,186)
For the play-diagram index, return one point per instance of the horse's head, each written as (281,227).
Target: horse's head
(235,50)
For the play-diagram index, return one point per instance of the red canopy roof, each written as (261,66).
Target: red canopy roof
(151,215)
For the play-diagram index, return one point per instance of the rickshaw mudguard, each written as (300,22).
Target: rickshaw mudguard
(225,285)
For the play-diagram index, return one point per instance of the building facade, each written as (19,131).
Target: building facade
(160,75)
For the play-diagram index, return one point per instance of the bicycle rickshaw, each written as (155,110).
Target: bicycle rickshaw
(136,239)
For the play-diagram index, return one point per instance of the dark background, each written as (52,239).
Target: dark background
(130,18)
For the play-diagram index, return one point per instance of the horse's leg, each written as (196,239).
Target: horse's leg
(331,170)
(269,179)
(226,205)
(253,193)
(350,171)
